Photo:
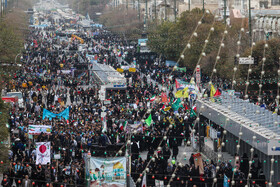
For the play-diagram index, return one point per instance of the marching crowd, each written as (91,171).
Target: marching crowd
(44,86)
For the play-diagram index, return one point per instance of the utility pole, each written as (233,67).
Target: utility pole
(250,23)
(165,10)
(189,5)
(225,11)
(175,11)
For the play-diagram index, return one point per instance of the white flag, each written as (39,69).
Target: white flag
(144,181)
(43,153)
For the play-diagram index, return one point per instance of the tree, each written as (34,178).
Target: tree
(122,21)
(170,38)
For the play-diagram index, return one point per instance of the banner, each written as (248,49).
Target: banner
(137,126)
(64,114)
(226,183)
(132,70)
(38,129)
(107,171)
(43,153)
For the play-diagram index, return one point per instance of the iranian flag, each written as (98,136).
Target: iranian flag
(153,98)
(123,125)
(194,107)
(144,181)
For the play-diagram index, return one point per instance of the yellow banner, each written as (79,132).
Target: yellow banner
(120,70)
(132,70)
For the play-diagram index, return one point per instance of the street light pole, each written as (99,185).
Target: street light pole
(225,10)
(146,14)
(175,10)
(165,10)
(203,6)
(139,15)
(155,9)
(250,23)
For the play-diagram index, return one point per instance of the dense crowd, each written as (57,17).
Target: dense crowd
(44,86)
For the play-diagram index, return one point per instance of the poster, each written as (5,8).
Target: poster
(198,163)
(107,172)
(38,129)
(43,153)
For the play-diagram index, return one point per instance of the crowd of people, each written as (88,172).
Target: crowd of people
(45,86)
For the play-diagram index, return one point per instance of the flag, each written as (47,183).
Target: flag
(153,98)
(177,104)
(192,113)
(163,97)
(144,181)
(167,108)
(217,92)
(194,107)
(179,94)
(185,92)
(177,84)
(184,69)
(148,121)
(122,126)
(50,115)
(163,107)
(212,91)
(43,153)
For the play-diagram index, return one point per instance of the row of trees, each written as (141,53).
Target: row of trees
(85,7)
(170,38)
(13,30)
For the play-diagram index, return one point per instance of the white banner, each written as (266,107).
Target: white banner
(43,153)
(246,60)
(38,129)
(108,171)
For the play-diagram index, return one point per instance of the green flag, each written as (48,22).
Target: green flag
(192,113)
(149,120)
(177,104)
(184,69)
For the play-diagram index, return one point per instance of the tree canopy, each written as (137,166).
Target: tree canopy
(170,38)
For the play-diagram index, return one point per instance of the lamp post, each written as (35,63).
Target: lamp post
(165,10)
(225,10)
(155,9)
(175,11)
(146,14)
(139,15)
(203,9)
(16,58)
(250,23)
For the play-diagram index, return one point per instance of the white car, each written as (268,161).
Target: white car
(19,95)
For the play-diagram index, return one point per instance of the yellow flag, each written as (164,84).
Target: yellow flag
(186,93)
(179,94)
(212,91)
(167,108)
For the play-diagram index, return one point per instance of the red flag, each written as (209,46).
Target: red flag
(163,97)
(217,92)
(177,84)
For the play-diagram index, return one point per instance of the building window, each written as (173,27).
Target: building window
(275,2)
